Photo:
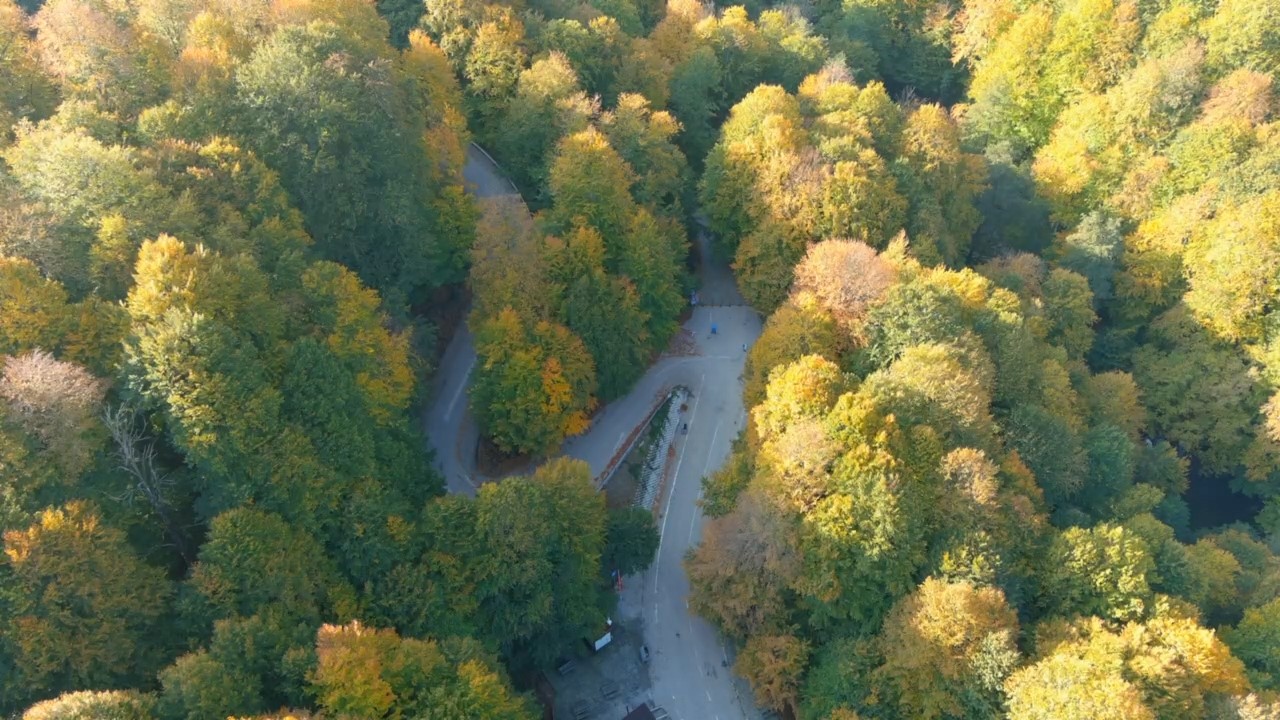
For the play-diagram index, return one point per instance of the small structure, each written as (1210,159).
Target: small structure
(641,713)
(605,638)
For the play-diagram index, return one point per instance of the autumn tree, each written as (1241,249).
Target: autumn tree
(601,309)
(58,403)
(28,91)
(547,106)
(741,572)
(802,326)
(508,262)
(81,608)
(589,184)
(935,643)
(774,664)
(846,277)
(534,384)
(88,705)
(1165,668)
(941,182)
(1100,571)
(368,672)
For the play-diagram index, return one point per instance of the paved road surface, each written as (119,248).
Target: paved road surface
(691,664)
(450,428)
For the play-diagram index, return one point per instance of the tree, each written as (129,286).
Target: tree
(1199,391)
(944,386)
(102,199)
(1256,639)
(1240,36)
(1065,686)
(631,541)
(493,61)
(653,261)
(801,326)
(98,55)
(198,686)
(171,275)
(1113,398)
(764,263)
(242,207)
(367,672)
(1100,571)
(81,608)
(27,91)
(1011,103)
(220,408)
(595,50)
(846,277)
(548,105)
(861,201)
(90,705)
(288,571)
(934,640)
(910,313)
(1014,217)
(806,388)
(941,182)
(1169,667)
(696,90)
(360,179)
(533,386)
(34,308)
(539,541)
(350,319)
(1230,264)
(1110,453)
(644,139)
(774,664)
(1093,251)
(59,404)
(590,185)
(740,574)
(508,262)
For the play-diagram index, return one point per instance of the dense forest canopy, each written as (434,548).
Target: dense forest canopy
(1019,261)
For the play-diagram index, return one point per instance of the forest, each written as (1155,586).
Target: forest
(1013,446)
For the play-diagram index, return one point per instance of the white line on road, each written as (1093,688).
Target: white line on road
(448,413)
(657,561)
(707,466)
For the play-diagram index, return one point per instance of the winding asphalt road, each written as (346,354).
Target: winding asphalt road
(447,420)
(690,670)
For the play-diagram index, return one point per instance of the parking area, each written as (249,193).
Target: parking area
(610,684)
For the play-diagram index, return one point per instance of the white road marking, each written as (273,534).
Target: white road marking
(621,436)
(708,692)
(448,413)
(707,466)
(666,513)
